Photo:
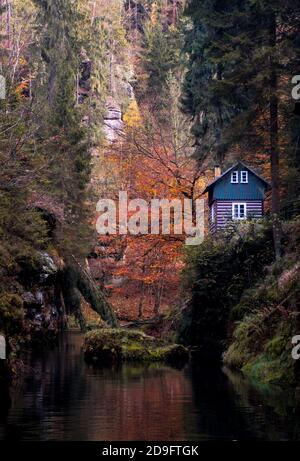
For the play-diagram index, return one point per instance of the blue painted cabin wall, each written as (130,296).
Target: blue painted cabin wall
(225,190)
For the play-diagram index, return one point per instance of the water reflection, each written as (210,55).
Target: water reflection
(61,398)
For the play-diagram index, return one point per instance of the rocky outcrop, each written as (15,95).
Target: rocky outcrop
(43,307)
(56,289)
(84,83)
(113,124)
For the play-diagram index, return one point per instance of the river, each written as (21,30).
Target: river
(62,398)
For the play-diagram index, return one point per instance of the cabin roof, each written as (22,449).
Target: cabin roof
(216,181)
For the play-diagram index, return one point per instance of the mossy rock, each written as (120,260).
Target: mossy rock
(107,346)
(265,369)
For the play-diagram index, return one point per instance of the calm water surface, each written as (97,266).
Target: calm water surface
(61,398)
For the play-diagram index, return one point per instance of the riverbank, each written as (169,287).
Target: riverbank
(244,306)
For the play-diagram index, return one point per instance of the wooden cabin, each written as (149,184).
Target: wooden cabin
(238,194)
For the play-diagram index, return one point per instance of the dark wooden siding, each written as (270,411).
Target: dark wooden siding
(224,211)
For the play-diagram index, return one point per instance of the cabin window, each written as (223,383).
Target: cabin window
(244,177)
(235,177)
(239,211)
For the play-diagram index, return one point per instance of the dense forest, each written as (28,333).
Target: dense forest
(148,97)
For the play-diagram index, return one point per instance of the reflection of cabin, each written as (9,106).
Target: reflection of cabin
(235,195)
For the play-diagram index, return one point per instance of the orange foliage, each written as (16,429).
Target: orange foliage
(145,269)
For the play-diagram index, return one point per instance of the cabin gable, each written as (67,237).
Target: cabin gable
(224,189)
(236,195)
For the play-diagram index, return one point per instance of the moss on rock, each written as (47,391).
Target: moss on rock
(268,316)
(117,345)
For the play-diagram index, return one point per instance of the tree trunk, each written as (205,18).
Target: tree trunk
(141,303)
(158,296)
(274,144)
(77,281)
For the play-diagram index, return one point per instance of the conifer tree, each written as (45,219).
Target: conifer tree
(241,56)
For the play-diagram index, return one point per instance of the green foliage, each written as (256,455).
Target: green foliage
(261,347)
(23,231)
(217,273)
(268,316)
(46,139)
(245,303)
(229,79)
(63,139)
(161,56)
(11,313)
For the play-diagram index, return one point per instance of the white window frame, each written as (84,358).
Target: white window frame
(239,205)
(242,177)
(235,177)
